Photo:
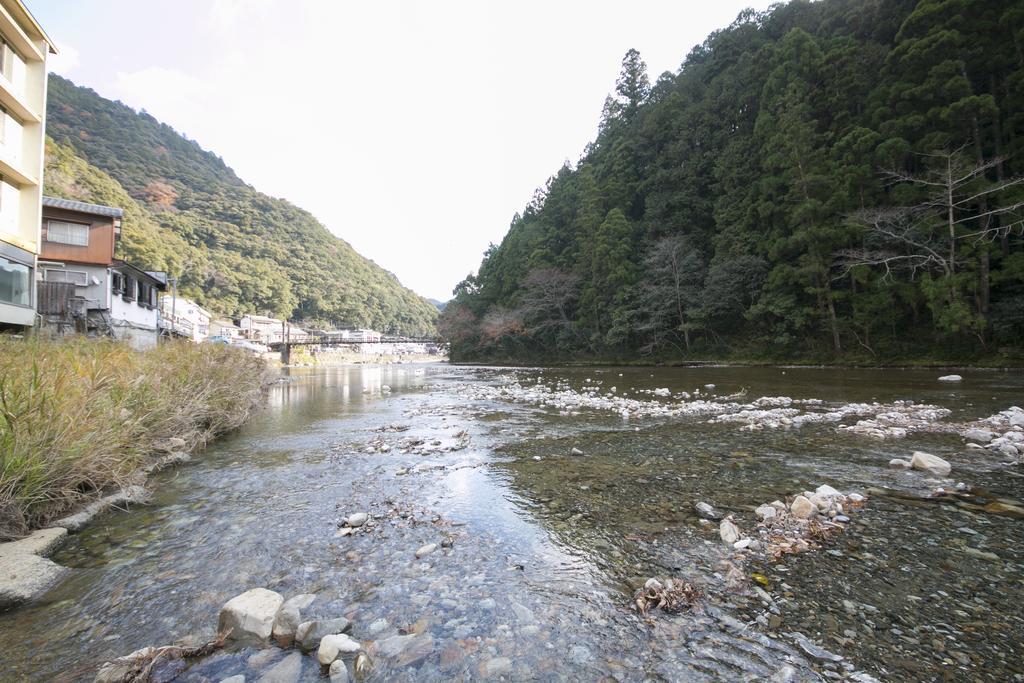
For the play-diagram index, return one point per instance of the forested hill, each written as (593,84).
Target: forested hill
(237,250)
(824,180)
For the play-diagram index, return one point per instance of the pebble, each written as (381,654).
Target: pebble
(357,519)
(426,550)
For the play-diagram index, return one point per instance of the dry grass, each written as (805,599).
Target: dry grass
(79,416)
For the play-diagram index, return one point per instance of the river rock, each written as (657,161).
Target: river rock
(728,531)
(899,464)
(288,618)
(930,463)
(766,512)
(250,616)
(827,491)
(334,646)
(127,495)
(309,633)
(1009,449)
(705,510)
(24,573)
(950,378)
(288,670)
(357,519)
(821,502)
(239,678)
(426,550)
(576,451)
(338,672)
(1017,419)
(979,435)
(802,508)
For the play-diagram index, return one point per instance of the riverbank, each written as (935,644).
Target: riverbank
(330,357)
(80,418)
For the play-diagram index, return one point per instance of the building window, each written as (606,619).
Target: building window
(15,282)
(116,283)
(128,294)
(6,59)
(62,232)
(76,277)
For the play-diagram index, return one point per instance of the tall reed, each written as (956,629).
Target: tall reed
(79,416)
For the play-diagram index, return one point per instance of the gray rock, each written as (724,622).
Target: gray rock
(338,672)
(234,679)
(802,508)
(288,670)
(813,650)
(393,646)
(950,378)
(930,463)
(250,616)
(285,623)
(334,646)
(766,512)
(24,573)
(1017,419)
(117,670)
(426,550)
(728,531)
(899,464)
(979,435)
(705,510)
(493,668)
(309,633)
(357,519)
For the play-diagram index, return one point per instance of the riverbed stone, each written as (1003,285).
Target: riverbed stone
(827,491)
(115,671)
(899,464)
(930,463)
(127,495)
(728,531)
(239,678)
(250,616)
(979,435)
(705,510)
(357,519)
(288,670)
(951,378)
(309,633)
(766,512)
(426,550)
(285,623)
(802,508)
(334,646)
(338,672)
(25,573)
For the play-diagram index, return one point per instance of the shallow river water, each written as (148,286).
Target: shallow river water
(540,550)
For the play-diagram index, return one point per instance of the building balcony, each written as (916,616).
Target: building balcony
(15,104)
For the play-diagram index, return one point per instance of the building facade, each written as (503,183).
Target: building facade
(24,47)
(183,317)
(81,287)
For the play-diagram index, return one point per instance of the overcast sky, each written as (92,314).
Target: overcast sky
(414,130)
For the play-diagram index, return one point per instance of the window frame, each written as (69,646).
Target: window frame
(87,226)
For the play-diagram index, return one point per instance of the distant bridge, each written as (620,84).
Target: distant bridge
(285,347)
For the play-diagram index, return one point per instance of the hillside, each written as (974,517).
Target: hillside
(237,250)
(832,180)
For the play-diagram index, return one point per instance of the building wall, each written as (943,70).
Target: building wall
(134,323)
(101,238)
(23,95)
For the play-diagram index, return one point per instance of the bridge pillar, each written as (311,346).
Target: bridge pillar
(286,354)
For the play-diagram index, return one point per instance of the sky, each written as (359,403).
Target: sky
(414,130)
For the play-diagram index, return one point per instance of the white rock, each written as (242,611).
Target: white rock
(334,646)
(119,669)
(575,451)
(821,502)
(899,464)
(653,584)
(1017,420)
(742,543)
(705,510)
(802,508)
(766,512)
(338,672)
(357,519)
(979,435)
(250,616)
(930,463)
(234,679)
(827,491)
(426,550)
(855,497)
(24,573)
(950,378)
(728,531)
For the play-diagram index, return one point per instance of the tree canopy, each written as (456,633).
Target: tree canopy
(825,180)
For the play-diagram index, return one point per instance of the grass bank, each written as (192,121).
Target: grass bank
(80,416)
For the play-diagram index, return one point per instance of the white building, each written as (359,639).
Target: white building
(23,50)
(183,317)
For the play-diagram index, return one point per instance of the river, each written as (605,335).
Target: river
(539,550)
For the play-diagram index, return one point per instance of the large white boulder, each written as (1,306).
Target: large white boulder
(250,616)
(24,573)
(930,463)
